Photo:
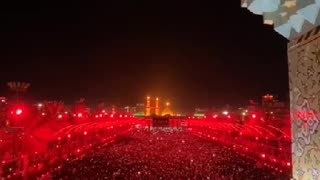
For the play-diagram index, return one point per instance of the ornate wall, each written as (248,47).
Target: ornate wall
(297,20)
(304,79)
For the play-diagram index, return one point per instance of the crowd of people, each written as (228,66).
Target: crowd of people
(157,154)
(72,141)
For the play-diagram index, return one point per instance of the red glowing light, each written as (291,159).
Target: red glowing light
(85,133)
(120,116)
(97,116)
(69,135)
(79,115)
(111,115)
(288,164)
(78,150)
(306,115)
(263,155)
(215,116)
(19,112)
(254,116)
(228,116)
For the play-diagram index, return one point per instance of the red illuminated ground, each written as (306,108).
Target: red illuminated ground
(72,146)
(163,155)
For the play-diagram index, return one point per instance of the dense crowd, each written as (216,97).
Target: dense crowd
(163,155)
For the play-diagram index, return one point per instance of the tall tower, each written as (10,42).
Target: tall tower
(157,110)
(148,107)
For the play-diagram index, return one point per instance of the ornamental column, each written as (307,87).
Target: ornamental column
(298,21)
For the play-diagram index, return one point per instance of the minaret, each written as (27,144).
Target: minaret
(157,110)
(148,108)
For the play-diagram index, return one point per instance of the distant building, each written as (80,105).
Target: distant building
(268,101)
(132,110)
(273,108)
(140,108)
(3,99)
(112,109)
(121,110)
(201,110)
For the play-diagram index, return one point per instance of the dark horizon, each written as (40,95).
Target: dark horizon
(194,53)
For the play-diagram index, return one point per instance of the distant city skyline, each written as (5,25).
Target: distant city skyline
(206,53)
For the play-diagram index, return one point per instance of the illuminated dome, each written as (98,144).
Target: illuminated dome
(290,18)
(167,110)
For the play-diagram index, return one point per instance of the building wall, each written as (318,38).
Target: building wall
(304,79)
(140,108)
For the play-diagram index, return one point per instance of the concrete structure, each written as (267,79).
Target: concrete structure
(298,21)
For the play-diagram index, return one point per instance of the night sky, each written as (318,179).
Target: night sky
(197,53)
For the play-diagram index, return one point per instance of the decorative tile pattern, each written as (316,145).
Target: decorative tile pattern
(304,79)
(290,18)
